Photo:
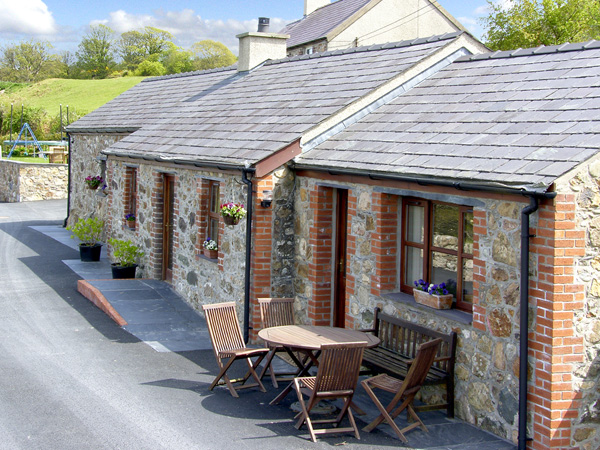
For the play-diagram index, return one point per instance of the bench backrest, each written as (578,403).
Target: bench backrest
(403,337)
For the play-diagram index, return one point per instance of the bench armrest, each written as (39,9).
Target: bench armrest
(444,358)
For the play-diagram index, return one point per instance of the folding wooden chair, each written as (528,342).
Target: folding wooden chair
(228,343)
(337,377)
(404,390)
(276,312)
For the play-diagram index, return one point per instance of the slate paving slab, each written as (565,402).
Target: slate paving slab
(159,317)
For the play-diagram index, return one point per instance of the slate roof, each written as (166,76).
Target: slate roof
(148,101)
(516,119)
(229,118)
(316,25)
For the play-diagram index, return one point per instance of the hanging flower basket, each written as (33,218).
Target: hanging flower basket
(232,213)
(231,220)
(93,182)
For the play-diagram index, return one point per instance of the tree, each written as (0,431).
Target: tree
(211,54)
(95,54)
(177,60)
(26,61)
(531,23)
(150,69)
(137,46)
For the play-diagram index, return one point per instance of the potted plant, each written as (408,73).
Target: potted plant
(93,182)
(89,232)
(210,248)
(432,295)
(130,220)
(124,254)
(232,213)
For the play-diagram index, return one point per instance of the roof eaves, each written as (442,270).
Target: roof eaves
(459,184)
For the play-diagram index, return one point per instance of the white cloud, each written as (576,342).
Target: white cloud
(26,17)
(186,26)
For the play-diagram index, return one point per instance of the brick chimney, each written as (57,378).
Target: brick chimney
(260,46)
(311,5)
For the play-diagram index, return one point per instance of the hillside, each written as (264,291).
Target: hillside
(82,96)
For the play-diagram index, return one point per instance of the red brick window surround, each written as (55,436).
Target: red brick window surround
(213,210)
(437,246)
(208,217)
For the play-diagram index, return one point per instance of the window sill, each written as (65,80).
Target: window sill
(212,260)
(452,314)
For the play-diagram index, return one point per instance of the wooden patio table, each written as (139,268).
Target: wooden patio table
(308,340)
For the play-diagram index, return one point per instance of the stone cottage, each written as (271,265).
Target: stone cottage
(345,24)
(424,159)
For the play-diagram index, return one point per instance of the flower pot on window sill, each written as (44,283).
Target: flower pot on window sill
(211,254)
(433,301)
(130,224)
(230,220)
(92,187)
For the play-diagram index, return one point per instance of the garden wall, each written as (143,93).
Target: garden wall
(23,182)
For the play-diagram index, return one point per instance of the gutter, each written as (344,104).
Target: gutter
(459,185)
(524,320)
(247,271)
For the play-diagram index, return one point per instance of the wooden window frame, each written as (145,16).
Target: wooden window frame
(131,205)
(428,248)
(213,210)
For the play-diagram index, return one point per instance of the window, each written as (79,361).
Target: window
(214,198)
(437,246)
(309,50)
(131,191)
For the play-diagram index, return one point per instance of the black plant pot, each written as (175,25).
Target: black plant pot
(119,272)
(90,253)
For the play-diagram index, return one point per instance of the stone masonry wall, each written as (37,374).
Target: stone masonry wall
(487,358)
(198,279)
(580,380)
(85,149)
(22,182)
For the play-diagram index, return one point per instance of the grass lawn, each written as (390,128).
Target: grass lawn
(27,159)
(82,96)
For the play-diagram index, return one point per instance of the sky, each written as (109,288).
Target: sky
(64,22)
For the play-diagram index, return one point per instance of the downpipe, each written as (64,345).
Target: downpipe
(68,180)
(524,322)
(247,271)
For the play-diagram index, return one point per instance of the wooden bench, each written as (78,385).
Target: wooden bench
(398,347)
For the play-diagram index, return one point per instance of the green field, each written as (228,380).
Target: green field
(82,96)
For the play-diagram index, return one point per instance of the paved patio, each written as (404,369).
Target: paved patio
(151,311)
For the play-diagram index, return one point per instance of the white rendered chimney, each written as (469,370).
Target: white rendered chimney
(311,5)
(258,47)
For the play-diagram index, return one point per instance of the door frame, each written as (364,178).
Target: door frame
(168,218)
(339,258)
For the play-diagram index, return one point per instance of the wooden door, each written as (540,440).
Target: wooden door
(341,238)
(168,227)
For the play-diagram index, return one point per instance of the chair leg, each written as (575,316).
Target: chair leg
(268,366)
(384,416)
(252,370)
(304,418)
(223,374)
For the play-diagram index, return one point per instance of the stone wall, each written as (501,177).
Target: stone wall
(487,359)
(23,182)
(582,368)
(85,153)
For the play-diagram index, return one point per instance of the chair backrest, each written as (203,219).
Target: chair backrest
(339,366)
(420,366)
(276,312)
(223,326)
